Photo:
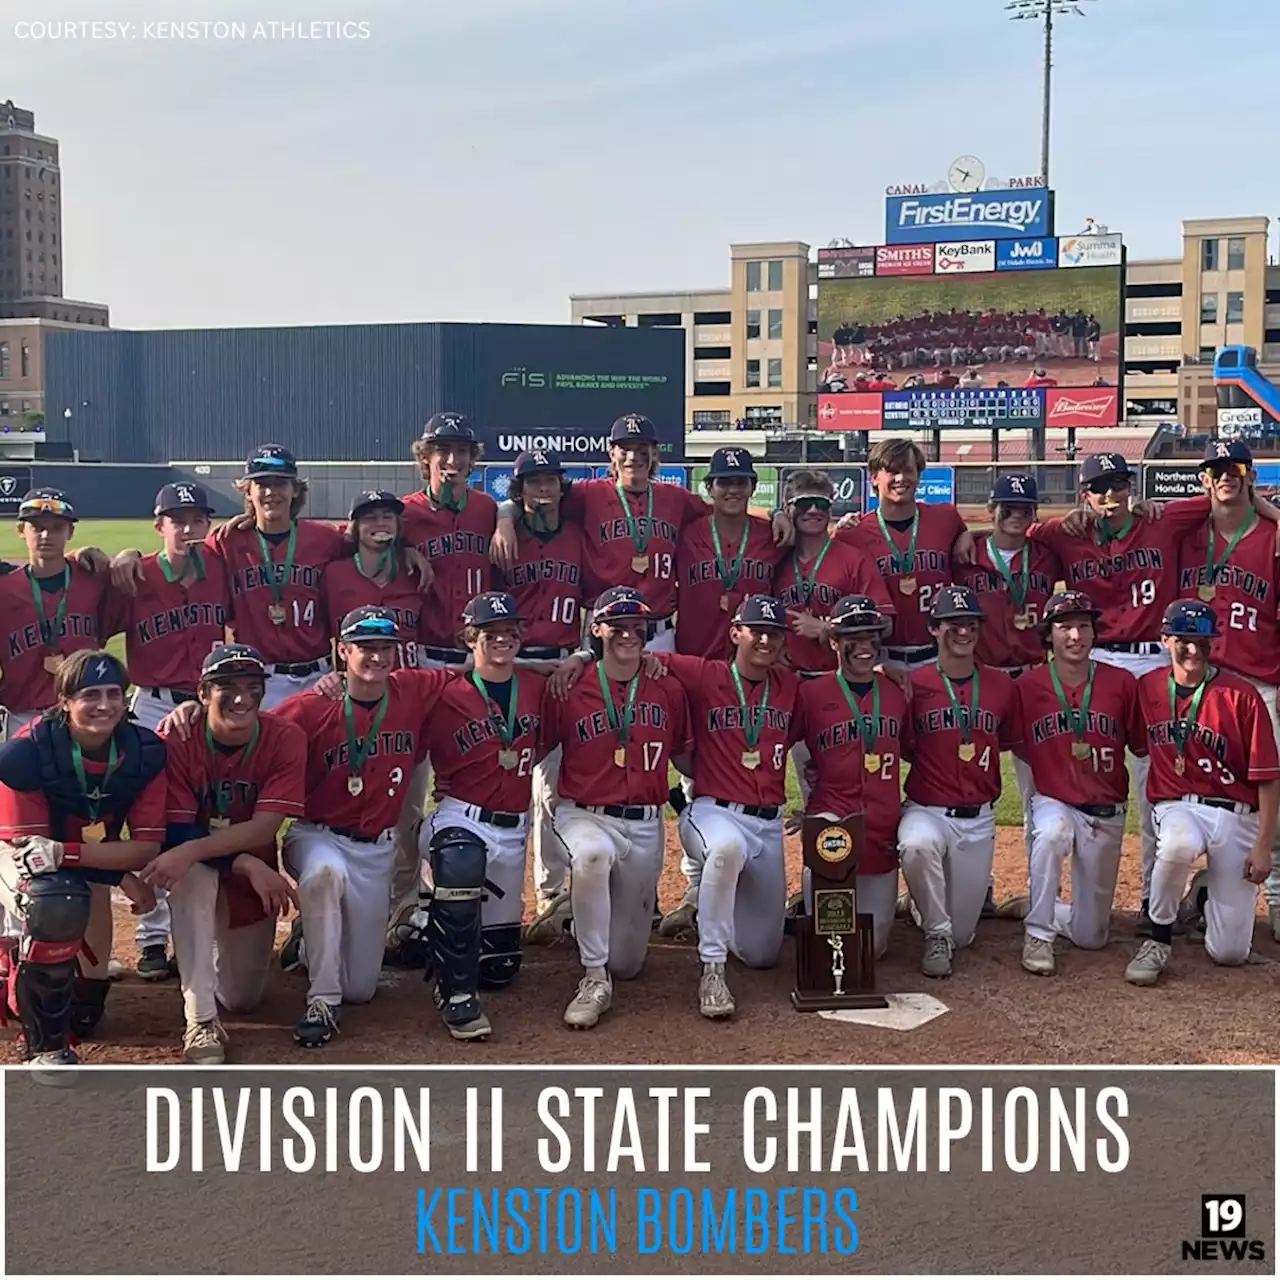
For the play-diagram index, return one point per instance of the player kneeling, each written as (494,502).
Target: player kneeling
(1214,783)
(233,780)
(1075,719)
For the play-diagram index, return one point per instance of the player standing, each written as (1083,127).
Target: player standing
(1076,716)
(1214,783)
(962,718)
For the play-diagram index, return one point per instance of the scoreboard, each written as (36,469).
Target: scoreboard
(932,407)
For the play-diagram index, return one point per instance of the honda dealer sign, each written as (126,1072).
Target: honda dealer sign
(1081,407)
(968,257)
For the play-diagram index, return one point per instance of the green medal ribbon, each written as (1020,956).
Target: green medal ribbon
(50,631)
(965,716)
(1107,537)
(729,574)
(445,502)
(1078,720)
(903,561)
(167,569)
(221,798)
(358,749)
(621,725)
(1183,725)
(805,585)
(280,573)
(752,724)
(638,540)
(77,763)
(386,564)
(1018,585)
(506,728)
(868,726)
(1214,567)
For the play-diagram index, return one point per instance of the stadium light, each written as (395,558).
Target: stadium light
(1045,11)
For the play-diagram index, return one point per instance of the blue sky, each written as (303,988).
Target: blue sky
(484,159)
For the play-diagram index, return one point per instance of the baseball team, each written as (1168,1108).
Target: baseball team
(370,724)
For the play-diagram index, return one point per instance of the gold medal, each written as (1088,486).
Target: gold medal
(355,784)
(219,824)
(967,751)
(277,615)
(1179,765)
(871,762)
(52,663)
(1206,593)
(93,833)
(724,604)
(907,585)
(640,564)
(1081,750)
(507,758)
(1022,621)
(750,759)
(620,757)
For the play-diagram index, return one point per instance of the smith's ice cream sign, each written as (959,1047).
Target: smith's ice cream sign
(994,215)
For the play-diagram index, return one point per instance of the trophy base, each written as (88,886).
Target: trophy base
(817,1002)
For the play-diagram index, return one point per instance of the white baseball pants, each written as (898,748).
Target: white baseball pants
(742,894)
(614,868)
(217,965)
(664,637)
(946,863)
(1185,833)
(344,886)
(280,687)
(549,865)
(1059,831)
(1272,886)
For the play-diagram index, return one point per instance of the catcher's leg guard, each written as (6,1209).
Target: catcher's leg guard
(88,1004)
(500,955)
(458,860)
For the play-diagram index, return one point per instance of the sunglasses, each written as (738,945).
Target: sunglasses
(1219,469)
(801,505)
(1109,484)
(44,506)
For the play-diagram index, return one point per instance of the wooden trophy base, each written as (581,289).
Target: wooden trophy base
(820,1003)
(814,991)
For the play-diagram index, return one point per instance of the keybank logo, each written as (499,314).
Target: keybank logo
(966,212)
(524,378)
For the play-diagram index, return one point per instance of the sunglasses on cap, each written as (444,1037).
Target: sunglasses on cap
(1109,484)
(371,629)
(45,506)
(801,505)
(1226,468)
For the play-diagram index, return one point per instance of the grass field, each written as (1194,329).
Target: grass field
(113,536)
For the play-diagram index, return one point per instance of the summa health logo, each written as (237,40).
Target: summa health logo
(1223,1233)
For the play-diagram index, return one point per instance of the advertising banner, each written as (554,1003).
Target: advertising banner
(1227,418)
(1162,482)
(993,215)
(14,483)
(908,260)
(857,411)
(1090,251)
(1010,407)
(970,256)
(1026,255)
(836,264)
(1083,407)
(937,484)
(766,494)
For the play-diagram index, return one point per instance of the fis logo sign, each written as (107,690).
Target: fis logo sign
(948,216)
(969,257)
(1026,255)
(525,378)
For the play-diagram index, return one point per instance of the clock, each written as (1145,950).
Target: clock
(966,174)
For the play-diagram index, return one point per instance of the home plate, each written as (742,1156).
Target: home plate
(905,1013)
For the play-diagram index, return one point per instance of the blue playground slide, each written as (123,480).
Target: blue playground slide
(1241,386)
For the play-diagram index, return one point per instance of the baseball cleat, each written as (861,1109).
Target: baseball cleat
(464,1017)
(1014,907)
(204,1044)
(1146,967)
(594,999)
(715,1000)
(1191,909)
(680,925)
(115,971)
(55,1068)
(1037,956)
(291,956)
(318,1026)
(938,950)
(153,964)
(551,921)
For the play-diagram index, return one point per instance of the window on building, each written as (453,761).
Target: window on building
(753,373)
(775,373)
(775,276)
(1207,354)
(25,364)
(1235,308)
(1209,308)
(753,277)
(713,317)
(711,389)
(775,323)
(1235,253)
(1208,255)
(753,324)
(710,419)
(764,415)
(1165,289)
(4,359)
(4,408)
(26,406)
(712,353)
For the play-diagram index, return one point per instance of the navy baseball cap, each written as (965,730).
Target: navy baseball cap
(370,622)
(1099,465)
(271,461)
(1063,604)
(620,602)
(449,426)
(955,602)
(633,428)
(183,497)
(761,612)
(46,502)
(537,462)
(226,660)
(1015,488)
(1228,451)
(490,607)
(730,463)
(371,499)
(858,613)
(1190,618)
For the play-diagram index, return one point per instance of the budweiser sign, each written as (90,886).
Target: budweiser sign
(1083,407)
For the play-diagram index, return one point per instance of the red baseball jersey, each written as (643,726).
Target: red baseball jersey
(826,724)
(1231,749)
(705,603)
(1246,595)
(608,548)
(25,685)
(931,568)
(170,627)
(546,584)
(1048,736)
(399,747)
(235,784)
(346,588)
(844,570)
(1133,579)
(660,731)
(303,635)
(719,725)
(1000,642)
(938,774)
(457,544)
(466,747)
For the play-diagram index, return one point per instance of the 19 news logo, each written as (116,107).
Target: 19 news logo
(1222,1233)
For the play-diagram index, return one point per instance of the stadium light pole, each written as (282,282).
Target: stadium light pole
(1044,11)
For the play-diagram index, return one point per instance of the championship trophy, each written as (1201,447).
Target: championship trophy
(835,943)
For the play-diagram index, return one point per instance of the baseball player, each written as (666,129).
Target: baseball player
(179,610)
(856,727)
(620,729)
(231,785)
(69,783)
(1076,717)
(1214,783)
(962,718)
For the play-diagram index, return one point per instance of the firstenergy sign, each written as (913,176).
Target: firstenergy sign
(996,215)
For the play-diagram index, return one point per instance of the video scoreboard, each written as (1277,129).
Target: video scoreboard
(966,407)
